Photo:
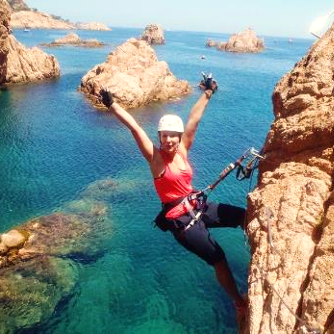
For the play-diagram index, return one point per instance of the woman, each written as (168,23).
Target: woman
(172,176)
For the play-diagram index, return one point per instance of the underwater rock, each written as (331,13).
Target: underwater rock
(30,291)
(100,190)
(135,77)
(38,259)
(13,239)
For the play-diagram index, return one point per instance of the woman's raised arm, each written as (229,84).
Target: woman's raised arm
(143,141)
(195,116)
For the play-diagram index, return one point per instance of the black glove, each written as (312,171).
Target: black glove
(107,98)
(208,83)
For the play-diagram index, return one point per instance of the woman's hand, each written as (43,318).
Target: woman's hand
(107,98)
(208,84)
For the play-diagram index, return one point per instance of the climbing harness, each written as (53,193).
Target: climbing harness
(202,195)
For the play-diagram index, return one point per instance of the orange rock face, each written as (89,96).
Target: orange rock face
(153,34)
(29,64)
(134,76)
(244,42)
(291,212)
(17,63)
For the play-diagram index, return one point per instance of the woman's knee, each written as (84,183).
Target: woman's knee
(231,216)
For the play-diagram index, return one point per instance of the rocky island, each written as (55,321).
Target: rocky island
(135,77)
(244,42)
(20,64)
(75,40)
(153,34)
(291,211)
(92,26)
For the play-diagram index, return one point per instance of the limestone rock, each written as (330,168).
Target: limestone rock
(38,20)
(74,39)
(291,212)
(29,64)
(134,75)
(244,42)
(153,34)
(92,26)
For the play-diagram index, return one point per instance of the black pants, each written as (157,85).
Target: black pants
(197,238)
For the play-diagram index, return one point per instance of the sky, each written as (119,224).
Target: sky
(281,18)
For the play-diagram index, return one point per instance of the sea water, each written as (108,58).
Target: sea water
(54,144)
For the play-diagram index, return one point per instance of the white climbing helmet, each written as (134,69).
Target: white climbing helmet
(171,123)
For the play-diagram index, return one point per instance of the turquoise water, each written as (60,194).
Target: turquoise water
(53,144)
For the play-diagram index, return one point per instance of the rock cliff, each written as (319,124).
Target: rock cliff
(135,77)
(153,34)
(291,211)
(18,63)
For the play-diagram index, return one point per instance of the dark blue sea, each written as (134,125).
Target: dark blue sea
(54,144)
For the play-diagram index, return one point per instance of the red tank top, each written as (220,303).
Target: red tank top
(174,185)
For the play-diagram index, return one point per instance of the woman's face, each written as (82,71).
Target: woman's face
(169,140)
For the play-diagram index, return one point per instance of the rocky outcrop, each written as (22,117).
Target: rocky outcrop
(135,76)
(211,43)
(92,26)
(153,34)
(38,20)
(244,42)
(29,64)
(74,39)
(291,211)
(18,63)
